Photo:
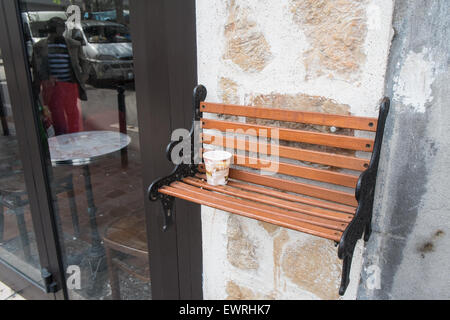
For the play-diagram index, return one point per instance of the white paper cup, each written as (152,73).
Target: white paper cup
(217,165)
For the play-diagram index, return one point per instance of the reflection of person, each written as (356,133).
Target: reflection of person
(59,67)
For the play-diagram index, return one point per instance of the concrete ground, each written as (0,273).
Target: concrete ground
(7,293)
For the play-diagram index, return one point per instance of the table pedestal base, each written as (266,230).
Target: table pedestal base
(96,253)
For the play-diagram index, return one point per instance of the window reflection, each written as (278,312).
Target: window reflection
(98,32)
(59,74)
(83,84)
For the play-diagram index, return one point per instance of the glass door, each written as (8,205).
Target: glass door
(80,59)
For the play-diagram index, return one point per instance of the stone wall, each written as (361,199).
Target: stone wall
(322,55)
(408,256)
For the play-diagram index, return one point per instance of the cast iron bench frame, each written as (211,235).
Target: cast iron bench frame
(165,189)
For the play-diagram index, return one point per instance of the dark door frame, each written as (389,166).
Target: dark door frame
(165,53)
(164,41)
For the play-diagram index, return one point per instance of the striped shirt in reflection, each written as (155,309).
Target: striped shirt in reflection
(59,61)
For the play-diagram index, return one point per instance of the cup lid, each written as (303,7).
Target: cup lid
(217,155)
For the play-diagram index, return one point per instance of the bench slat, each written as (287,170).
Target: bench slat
(331,120)
(327,176)
(324,139)
(342,179)
(296,187)
(324,158)
(288,196)
(211,200)
(270,209)
(270,200)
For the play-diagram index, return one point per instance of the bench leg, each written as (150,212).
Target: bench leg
(113,275)
(345,280)
(368,231)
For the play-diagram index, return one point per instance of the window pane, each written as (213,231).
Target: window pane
(83,80)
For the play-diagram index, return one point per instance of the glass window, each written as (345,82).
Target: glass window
(83,80)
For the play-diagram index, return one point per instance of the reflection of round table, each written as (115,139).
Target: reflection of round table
(82,149)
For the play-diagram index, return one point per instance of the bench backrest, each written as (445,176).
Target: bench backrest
(312,146)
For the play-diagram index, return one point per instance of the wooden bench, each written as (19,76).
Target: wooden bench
(322,187)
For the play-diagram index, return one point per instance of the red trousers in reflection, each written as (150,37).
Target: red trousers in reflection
(62,100)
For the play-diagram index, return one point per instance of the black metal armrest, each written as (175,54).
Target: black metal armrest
(365,193)
(182,170)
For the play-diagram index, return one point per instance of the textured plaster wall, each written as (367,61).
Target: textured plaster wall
(409,256)
(326,56)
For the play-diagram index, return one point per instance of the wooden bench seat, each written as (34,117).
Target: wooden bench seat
(285,172)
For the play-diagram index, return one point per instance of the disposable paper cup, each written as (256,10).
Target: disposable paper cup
(217,165)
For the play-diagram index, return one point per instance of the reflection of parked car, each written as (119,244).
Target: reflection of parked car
(35,26)
(107,15)
(108,49)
